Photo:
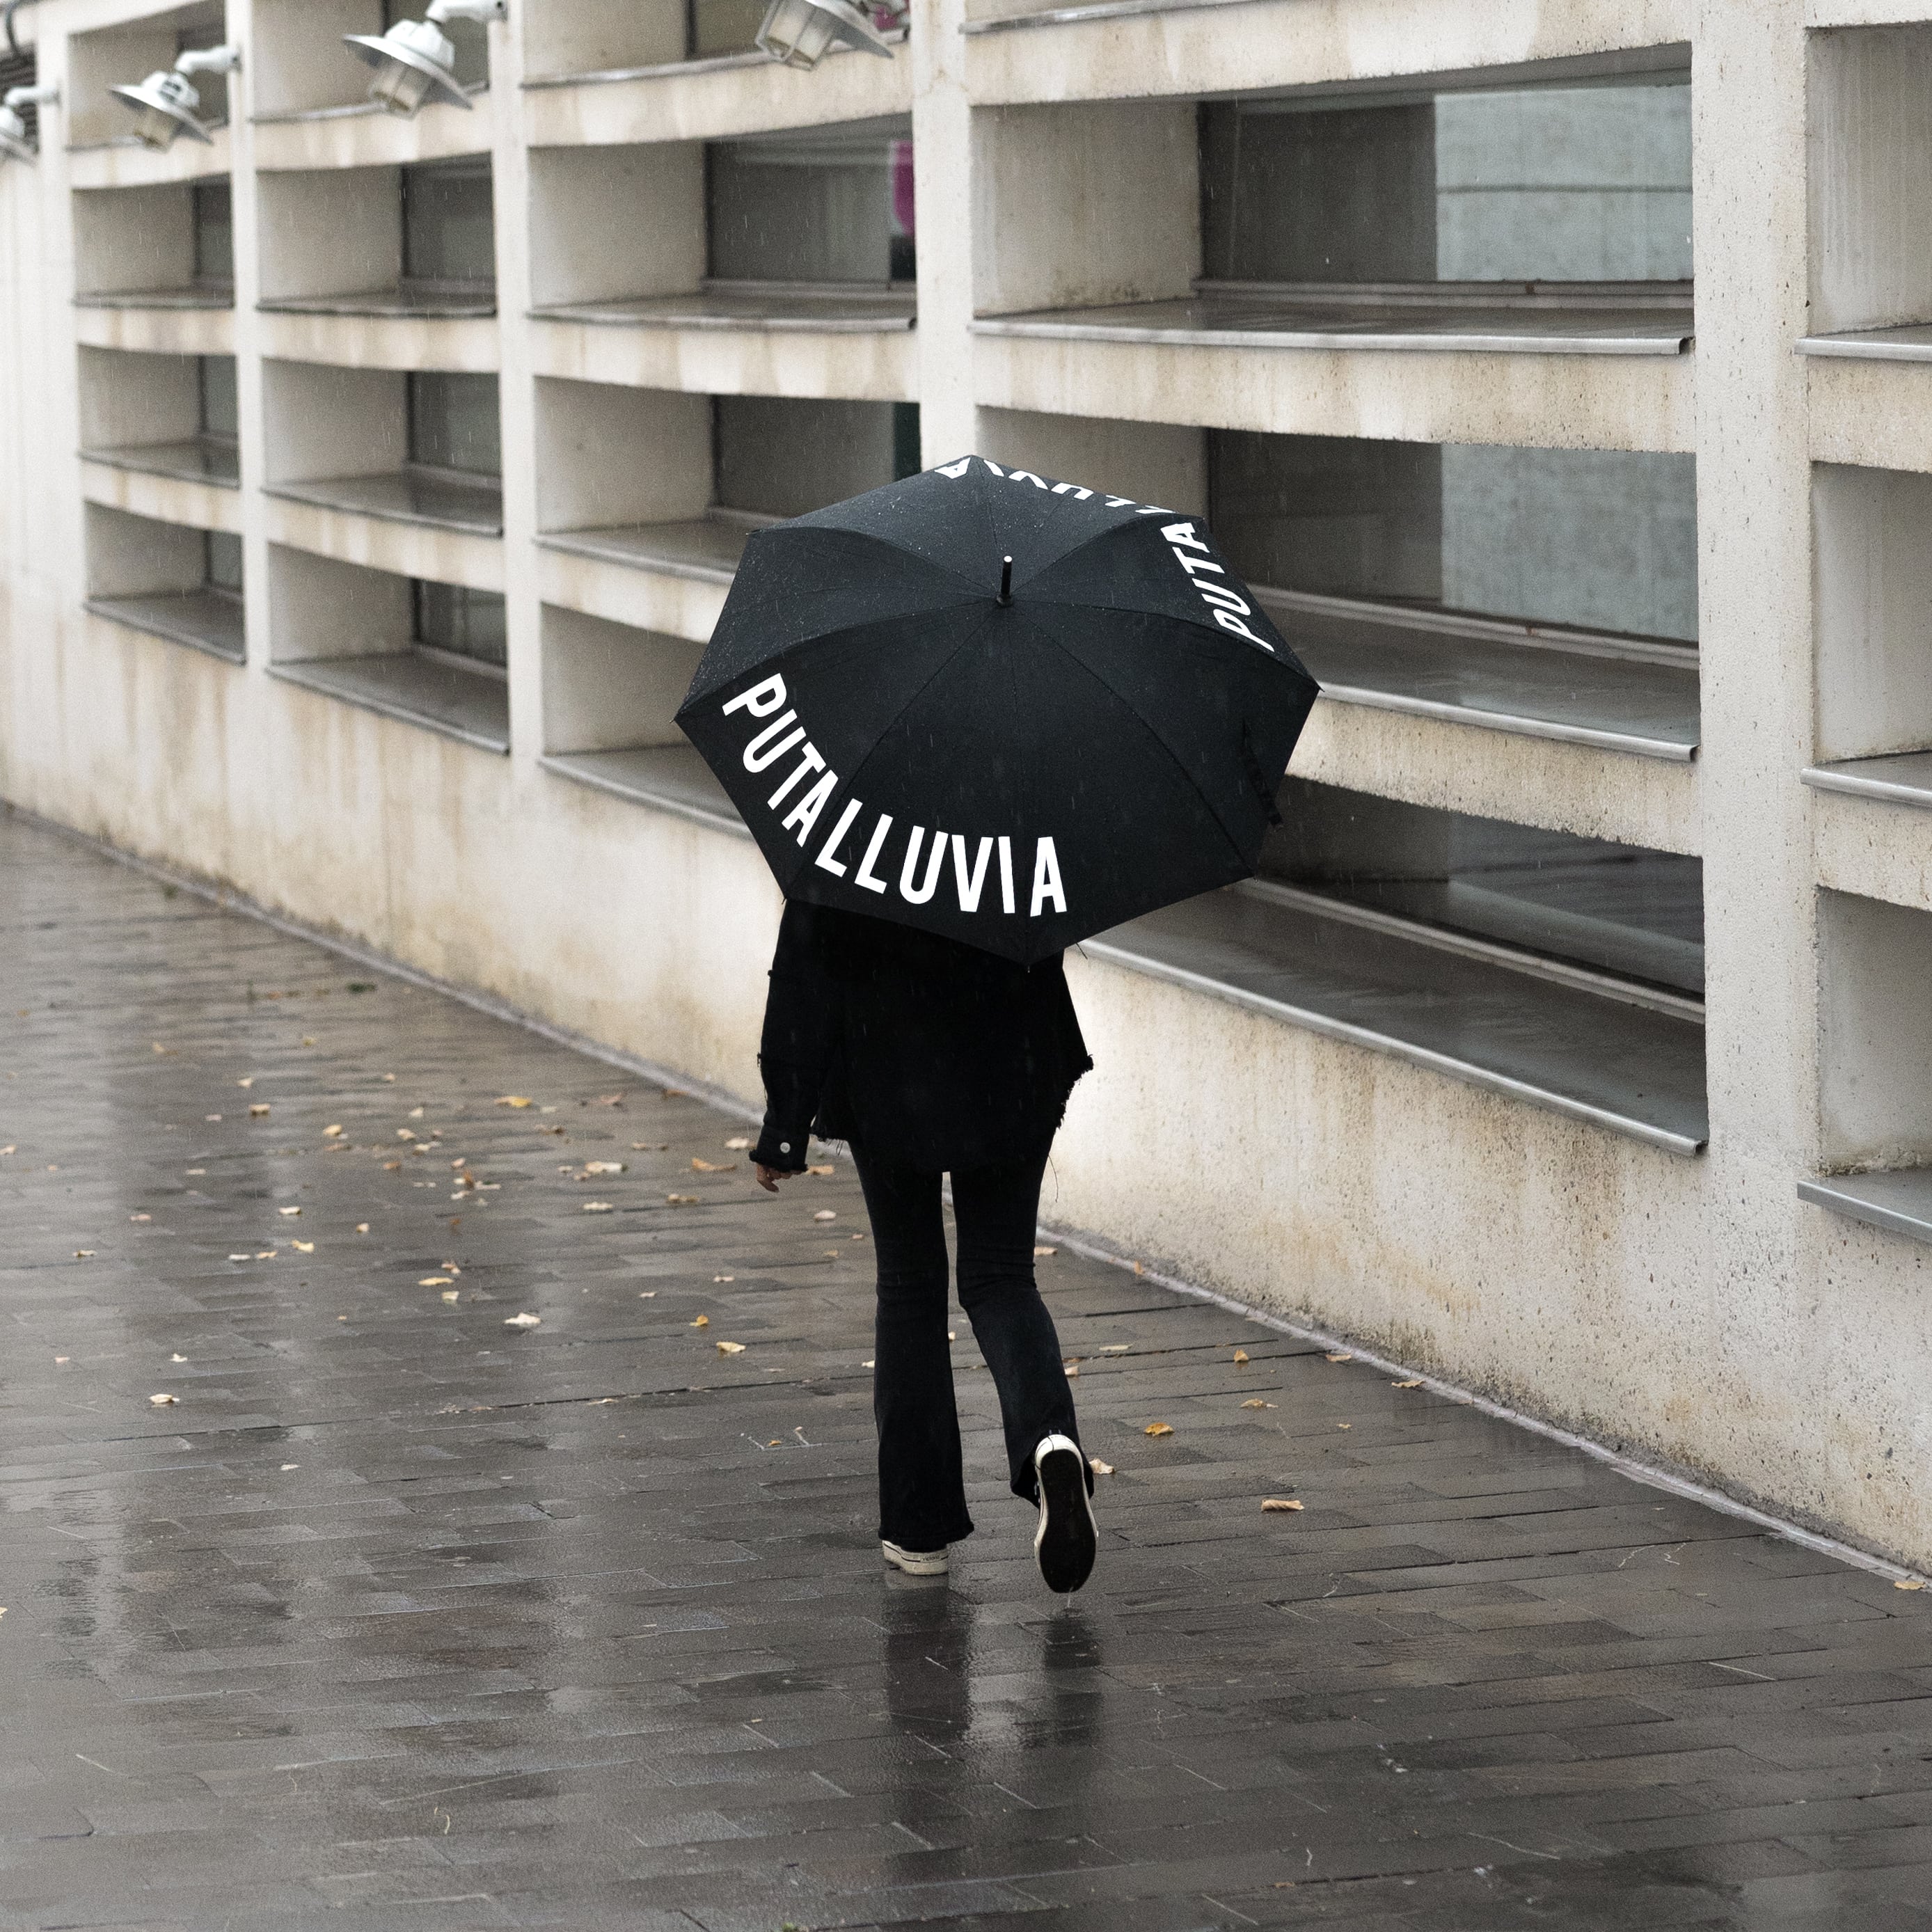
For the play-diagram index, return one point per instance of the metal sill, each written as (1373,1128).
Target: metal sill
(427,500)
(211,460)
(705,549)
(667,777)
(1903,777)
(471,707)
(1632,1072)
(1908,342)
(393,303)
(209,621)
(866,310)
(1636,696)
(191,298)
(1265,320)
(1899,1202)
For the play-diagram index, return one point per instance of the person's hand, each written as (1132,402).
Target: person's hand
(769,1178)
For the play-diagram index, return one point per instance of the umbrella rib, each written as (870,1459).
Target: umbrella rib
(887,543)
(1126,704)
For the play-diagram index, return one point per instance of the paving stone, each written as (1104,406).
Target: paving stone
(398,1617)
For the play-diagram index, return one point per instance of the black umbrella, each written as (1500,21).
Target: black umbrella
(1009,710)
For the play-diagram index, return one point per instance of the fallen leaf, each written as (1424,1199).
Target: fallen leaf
(724,1277)
(265,1254)
(651,1293)
(177,1358)
(1908,1583)
(869,1365)
(739,1143)
(211,1116)
(773,1443)
(451,1294)
(195,1170)
(1073,1369)
(59,1359)
(303,1247)
(522,1321)
(1116,1349)
(731,1348)
(1157,1428)
(1345,1425)
(163,1401)
(855,1237)
(83,1254)
(240,1258)
(249,1082)
(636,1147)
(308,1039)
(1255,1402)
(597,1207)
(1099,1467)
(827,1168)
(950,1337)
(681,1200)
(610,1100)
(416,1113)
(1138,1269)
(362,1227)
(433,1281)
(287,1466)
(392,1167)
(159,1048)
(1341,1356)
(288,1210)
(391,1079)
(140,1217)
(13,1148)
(1281,1503)
(257,1109)
(713,1166)
(504,1100)
(1240,1358)
(1416,1383)
(827,1214)
(1039,1253)
(405,1133)
(603,1167)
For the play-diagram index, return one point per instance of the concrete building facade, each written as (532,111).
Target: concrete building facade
(1558,371)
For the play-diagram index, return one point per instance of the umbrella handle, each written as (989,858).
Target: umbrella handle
(1006,580)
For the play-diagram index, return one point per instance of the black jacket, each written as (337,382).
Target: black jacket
(945,1056)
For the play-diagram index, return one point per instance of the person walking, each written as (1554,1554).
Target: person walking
(929,1057)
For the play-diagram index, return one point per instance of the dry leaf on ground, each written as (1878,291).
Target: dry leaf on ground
(163,1401)
(1039,1253)
(681,1200)
(826,1214)
(249,1082)
(333,1133)
(731,1348)
(1072,1368)
(603,1167)
(522,1321)
(739,1143)
(240,1258)
(1345,1425)
(1099,1467)
(636,1147)
(824,1167)
(433,1281)
(288,1211)
(1240,1358)
(83,1254)
(1415,1382)
(1908,1583)
(513,1100)
(416,1113)
(1281,1503)
(1116,1349)
(1255,1402)
(452,1293)
(303,1247)
(1341,1355)
(362,1227)
(702,1321)
(257,1109)
(713,1166)
(596,1207)
(1157,1428)
(140,1217)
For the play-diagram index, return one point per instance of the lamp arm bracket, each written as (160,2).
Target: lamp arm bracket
(209,60)
(45,96)
(440,11)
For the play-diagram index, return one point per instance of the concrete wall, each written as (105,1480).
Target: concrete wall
(1694,1310)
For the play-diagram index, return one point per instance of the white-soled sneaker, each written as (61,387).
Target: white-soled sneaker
(914,1562)
(1067,1541)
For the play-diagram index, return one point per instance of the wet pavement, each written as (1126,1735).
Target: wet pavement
(401,1615)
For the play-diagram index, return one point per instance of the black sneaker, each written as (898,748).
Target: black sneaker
(1066,1540)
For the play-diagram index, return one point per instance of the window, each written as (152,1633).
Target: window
(456,621)
(780,456)
(448,225)
(453,423)
(1527,184)
(713,27)
(1624,912)
(214,234)
(824,205)
(470,39)
(1601,540)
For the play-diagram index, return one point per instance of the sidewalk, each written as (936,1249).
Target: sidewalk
(402,1616)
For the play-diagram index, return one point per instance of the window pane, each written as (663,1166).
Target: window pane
(222,568)
(783,456)
(453,618)
(214,233)
(828,206)
(1619,909)
(448,225)
(722,26)
(221,414)
(1600,540)
(1553,184)
(453,422)
(470,38)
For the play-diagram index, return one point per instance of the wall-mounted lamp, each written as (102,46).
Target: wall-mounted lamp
(800,33)
(14,145)
(164,104)
(414,62)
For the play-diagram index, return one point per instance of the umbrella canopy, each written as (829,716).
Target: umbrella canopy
(1007,709)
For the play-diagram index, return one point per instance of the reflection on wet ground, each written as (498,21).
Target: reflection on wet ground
(404,1612)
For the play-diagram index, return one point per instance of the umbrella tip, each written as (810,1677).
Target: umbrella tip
(1006,580)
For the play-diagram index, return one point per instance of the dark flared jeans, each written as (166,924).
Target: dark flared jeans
(995,1211)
